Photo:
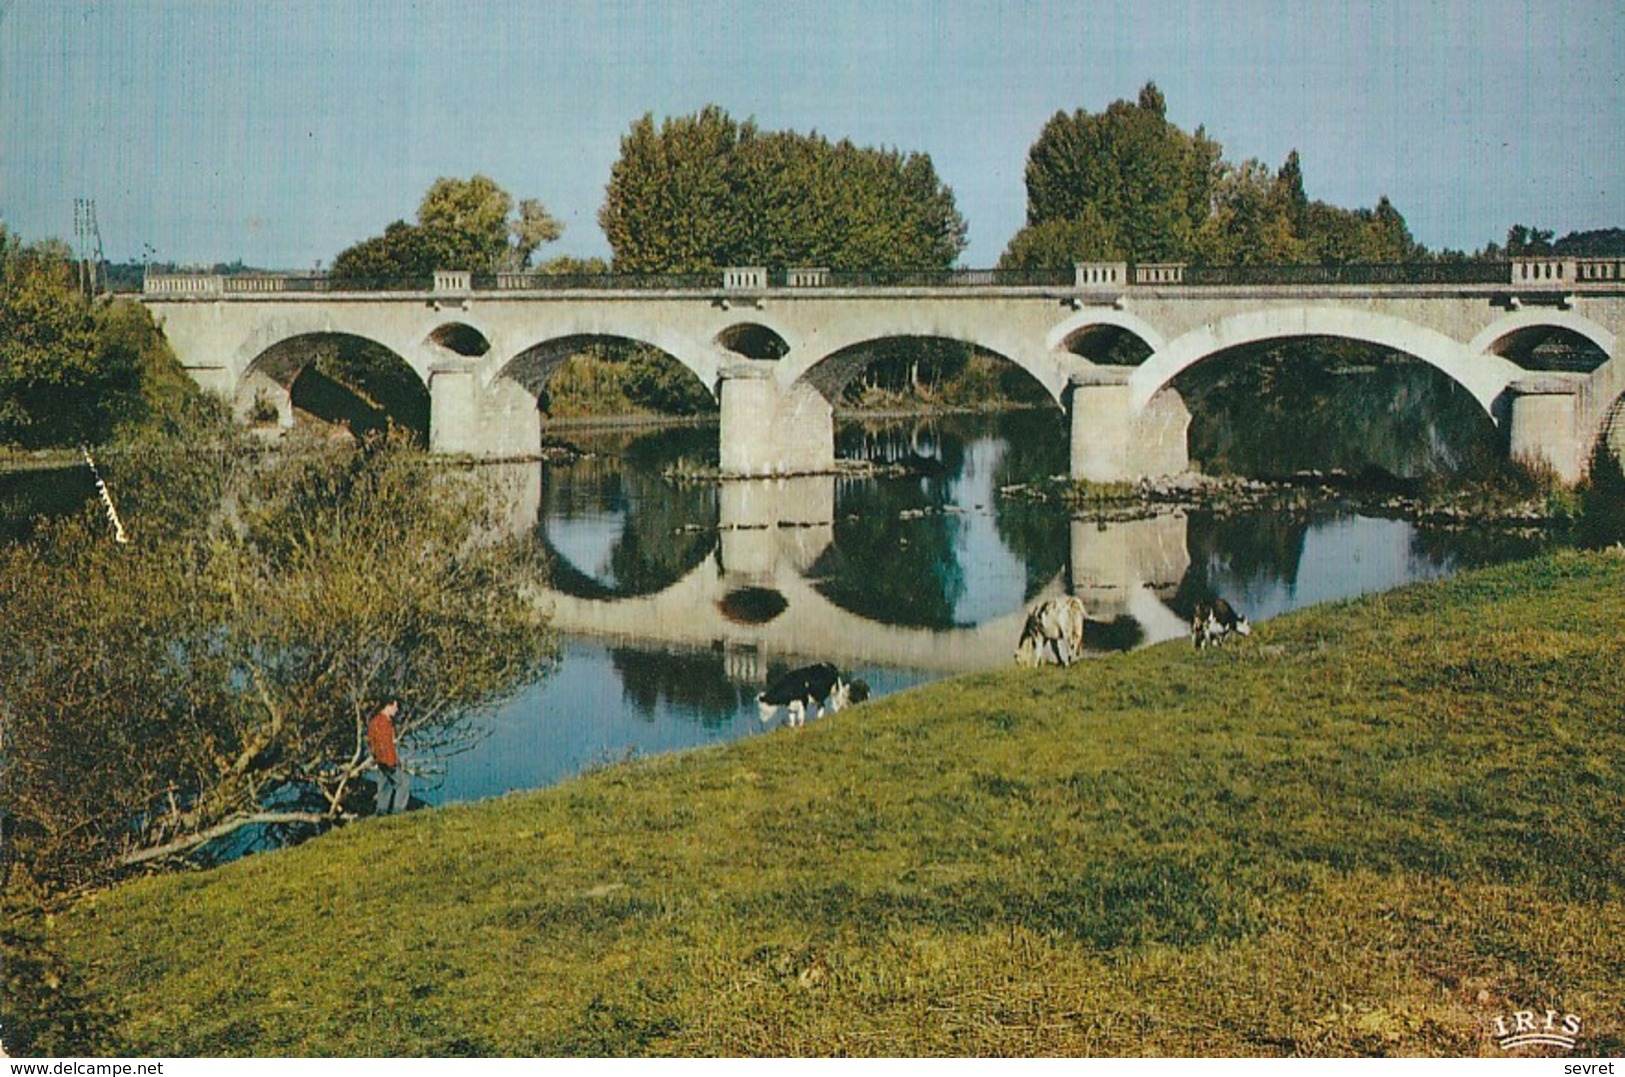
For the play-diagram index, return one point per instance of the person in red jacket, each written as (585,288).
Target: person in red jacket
(393,785)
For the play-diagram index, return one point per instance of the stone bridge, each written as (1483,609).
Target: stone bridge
(776,349)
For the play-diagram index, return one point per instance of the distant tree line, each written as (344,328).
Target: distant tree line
(1127,184)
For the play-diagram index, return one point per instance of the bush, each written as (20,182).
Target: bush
(159,689)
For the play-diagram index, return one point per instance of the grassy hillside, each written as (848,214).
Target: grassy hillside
(1368,829)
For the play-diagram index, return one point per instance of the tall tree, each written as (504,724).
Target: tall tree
(1127,183)
(62,380)
(1523,240)
(1144,179)
(703,191)
(1251,220)
(467,224)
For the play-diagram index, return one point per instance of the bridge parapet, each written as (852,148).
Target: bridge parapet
(1160,273)
(744,277)
(1555,272)
(453,280)
(1100,274)
(1544,274)
(806,277)
(183,284)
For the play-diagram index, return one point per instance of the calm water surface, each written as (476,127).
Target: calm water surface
(677,603)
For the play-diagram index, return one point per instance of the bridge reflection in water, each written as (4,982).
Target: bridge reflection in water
(760,593)
(677,603)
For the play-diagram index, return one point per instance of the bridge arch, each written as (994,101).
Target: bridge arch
(461,338)
(534,366)
(523,345)
(1064,336)
(1485,376)
(1495,338)
(753,340)
(831,372)
(338,377)
(405,341)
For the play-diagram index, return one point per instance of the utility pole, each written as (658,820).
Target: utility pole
(88,235)
(79,244)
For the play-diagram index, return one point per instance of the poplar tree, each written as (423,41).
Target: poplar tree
(703,191)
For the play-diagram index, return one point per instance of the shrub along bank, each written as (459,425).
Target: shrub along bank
(1371,828)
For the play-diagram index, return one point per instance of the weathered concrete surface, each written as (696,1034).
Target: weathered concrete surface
(775,412)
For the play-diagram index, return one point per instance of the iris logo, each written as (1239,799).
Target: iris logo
(1526,1028)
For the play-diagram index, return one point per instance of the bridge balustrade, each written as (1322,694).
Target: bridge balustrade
(1100,274)
(1553,273)
(255,284)
(744,277)
(1160,273)
(806,277)
(1558,272)
(182,284)
(1600,269)
(1357,274)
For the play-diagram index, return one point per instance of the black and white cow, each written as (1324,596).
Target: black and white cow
(1054,624)
(1212,621)
(817,687)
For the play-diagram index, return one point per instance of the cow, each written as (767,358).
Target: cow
(1054,624)
(809,688)
(1212,621)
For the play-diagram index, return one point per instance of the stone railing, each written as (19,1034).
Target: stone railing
(1554,272)
(255,284)
(1100,274)
(1160,273)
(183,284)
(744,277)
(806,277)
(1532,274)
(453,280)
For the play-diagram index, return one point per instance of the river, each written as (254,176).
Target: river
(677,601)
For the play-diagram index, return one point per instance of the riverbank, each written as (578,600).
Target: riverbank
(1370,828)
(1540,510)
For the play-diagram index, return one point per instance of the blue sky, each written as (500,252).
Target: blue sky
(281,131)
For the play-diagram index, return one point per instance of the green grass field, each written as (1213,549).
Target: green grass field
(1369,828)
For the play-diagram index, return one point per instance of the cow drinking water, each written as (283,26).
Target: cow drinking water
(817,687)
(1212,621)
(1055,624)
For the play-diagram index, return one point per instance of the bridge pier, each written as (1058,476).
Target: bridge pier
(1111,442)
(465,419)
(1544,424)
(258,390)
(767,429)
(453,410)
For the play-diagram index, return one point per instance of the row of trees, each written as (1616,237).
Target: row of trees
(694,193)
(1127,183)
(468,224)
(704,191)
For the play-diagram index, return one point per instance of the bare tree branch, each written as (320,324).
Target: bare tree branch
(220,830)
